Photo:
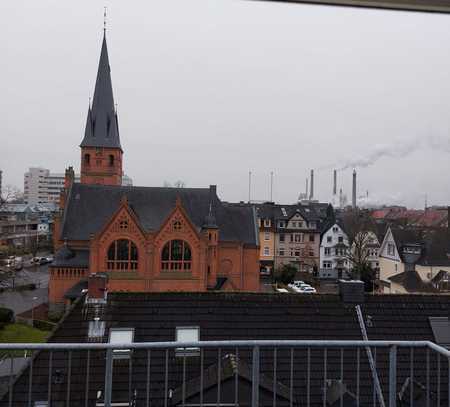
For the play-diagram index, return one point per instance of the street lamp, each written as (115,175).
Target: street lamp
(32,310)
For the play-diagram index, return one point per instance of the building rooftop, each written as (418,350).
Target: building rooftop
(154,317)
(90,207)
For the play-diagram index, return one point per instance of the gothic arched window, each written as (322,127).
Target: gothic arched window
(176,256)
(122,255)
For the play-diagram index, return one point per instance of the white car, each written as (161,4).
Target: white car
(307,290)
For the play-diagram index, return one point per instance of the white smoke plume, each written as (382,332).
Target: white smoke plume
(379,151)
(398,149)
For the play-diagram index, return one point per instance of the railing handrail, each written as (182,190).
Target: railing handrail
(228,344)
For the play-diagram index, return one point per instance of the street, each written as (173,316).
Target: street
(21,301)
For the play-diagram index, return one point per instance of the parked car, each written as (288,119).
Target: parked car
(296,283)
(39,260)
(50,259)
(307,290)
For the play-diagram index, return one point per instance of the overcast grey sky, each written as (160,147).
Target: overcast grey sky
(210,89)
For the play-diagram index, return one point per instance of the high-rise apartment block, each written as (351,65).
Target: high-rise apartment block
(42,186)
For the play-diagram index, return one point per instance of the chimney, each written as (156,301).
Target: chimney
(311,194)
(354,190)
(212,191)
(351,291)
(69,177)
(97,288)
(334,182)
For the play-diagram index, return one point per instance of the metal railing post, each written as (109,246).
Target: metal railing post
(255,377)
(108,377)
(393,376)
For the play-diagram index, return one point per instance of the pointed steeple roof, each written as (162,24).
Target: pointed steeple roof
(102,128)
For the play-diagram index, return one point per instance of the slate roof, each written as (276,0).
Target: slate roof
(76,290)
(234,316)
(66,257)
(90,207)
(311,212)
(102,127)
(435,244)
(412,282)
(436,248)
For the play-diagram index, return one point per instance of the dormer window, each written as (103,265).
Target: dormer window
(121,336)
(267,223)
(187,334)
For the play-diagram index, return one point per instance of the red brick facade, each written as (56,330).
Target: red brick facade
(101,166)
(210,258)
(172,254)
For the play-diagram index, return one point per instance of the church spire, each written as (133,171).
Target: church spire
(102,128)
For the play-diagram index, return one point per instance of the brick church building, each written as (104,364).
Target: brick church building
(144,238)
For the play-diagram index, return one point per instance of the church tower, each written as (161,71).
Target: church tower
(101,152)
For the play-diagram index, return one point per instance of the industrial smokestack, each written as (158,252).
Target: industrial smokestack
(334,182)
(354,190)
(306,191)
(311,194)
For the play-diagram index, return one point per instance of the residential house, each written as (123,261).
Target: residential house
(414,260)
(334,253)
(267,236)
(290,234)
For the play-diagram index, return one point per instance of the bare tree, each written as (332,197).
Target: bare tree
(179,184)
(10,194)
(176,184)
(360,231)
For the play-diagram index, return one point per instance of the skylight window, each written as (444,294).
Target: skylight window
(121,336)
(283,211)
(187,334)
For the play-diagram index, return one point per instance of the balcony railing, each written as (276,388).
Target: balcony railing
(230,373)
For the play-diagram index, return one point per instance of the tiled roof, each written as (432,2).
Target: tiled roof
(235,316)
(90,207)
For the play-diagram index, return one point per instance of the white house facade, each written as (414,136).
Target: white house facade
(334,247)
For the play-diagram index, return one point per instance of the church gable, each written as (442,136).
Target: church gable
(178,226)
(124,224)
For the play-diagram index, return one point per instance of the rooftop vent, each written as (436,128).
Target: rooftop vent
(351,291)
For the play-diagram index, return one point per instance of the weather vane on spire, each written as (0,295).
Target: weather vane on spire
(104,21)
